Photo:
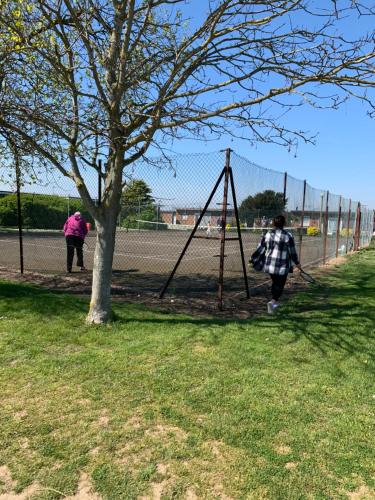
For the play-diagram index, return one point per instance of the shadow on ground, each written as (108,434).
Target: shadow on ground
(191,294)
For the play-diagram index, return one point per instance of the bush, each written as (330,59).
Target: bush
(39,211)
(346,232)
(313,231)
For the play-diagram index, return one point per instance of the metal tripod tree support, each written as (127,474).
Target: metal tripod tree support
(228,178)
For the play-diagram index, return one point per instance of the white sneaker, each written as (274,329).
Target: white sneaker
(270,307)
(275,305)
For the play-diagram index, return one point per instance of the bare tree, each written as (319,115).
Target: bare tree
(113,77)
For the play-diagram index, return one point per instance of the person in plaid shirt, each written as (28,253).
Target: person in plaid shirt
(275,255)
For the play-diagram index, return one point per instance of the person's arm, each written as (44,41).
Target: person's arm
(84,226)
(259,251)
(293,253)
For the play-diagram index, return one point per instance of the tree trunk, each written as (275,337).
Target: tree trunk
(100,306)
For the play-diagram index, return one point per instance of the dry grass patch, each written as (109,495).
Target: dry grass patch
(84,490)
(290,465)
(8,486)
(361,493)
(283,450)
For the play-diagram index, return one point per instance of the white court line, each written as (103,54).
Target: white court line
(120,254)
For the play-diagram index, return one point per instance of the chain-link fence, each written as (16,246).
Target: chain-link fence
(161,204)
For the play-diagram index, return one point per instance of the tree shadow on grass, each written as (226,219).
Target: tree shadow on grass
(17,297)
(339,317)
(335,317)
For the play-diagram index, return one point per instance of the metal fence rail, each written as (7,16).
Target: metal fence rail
(155,222)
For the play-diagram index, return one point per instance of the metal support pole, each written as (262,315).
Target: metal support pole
(357,227)
(222,233)
(302,219)
(284,191)
(139,212)
(348,225)
(100,183)
(325,236)
(321,212)
(239,234)
(19,213)
(163,290)
(338,229)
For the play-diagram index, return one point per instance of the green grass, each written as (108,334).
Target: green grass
(170,405)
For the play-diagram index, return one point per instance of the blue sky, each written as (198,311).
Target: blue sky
(343,159)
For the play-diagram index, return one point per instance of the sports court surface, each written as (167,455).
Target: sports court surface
(143,259)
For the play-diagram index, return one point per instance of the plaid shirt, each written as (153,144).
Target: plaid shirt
(278,250)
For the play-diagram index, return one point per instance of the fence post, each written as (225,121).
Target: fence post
(139,212)
(284,190)
(325,234)
(348,224)
(99,183)
(19,213)
(357,227)
(338,229)
(302,219)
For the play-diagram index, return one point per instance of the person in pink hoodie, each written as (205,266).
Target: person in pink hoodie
(75,230)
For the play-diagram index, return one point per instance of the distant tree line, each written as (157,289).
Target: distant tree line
(138,207)
(261,207)
(39,211)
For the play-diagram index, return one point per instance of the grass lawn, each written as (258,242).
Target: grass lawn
(158,405)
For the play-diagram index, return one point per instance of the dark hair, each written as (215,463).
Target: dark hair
(279,221)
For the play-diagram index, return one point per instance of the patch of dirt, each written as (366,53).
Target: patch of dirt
(84,490)
(190,294)
(283,450)
(218,489)
(162,469)
(336,261)
(162,432)
(215,448)
(362,493)
(20,415)
(290,465)
(190,494)
(200,349)
(6,478)
(103,420)
(84,402)
(156,491)
(134,422)
(24,443)
(94,451)
(9,485)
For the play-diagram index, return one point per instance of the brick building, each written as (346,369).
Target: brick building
(189,216)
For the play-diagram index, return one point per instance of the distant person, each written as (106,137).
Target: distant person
(219,224)
(75,230)
(275,255)
(208,230)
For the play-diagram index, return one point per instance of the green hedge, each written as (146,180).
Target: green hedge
(39,211)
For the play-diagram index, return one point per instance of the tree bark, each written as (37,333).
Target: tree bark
(100,309)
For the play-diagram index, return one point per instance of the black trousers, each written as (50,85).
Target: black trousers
(74,242)
(278,283)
